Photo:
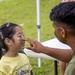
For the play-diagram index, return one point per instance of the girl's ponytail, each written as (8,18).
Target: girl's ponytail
(0,47)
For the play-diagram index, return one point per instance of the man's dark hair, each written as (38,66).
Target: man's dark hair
(64,13)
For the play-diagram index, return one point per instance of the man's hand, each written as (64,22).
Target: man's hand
(34,45)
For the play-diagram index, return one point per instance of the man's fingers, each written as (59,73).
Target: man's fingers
(32,43)
(29,40)
(29,47)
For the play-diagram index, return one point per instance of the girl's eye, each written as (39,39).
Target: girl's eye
(21,36)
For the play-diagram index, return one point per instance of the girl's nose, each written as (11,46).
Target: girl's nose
(23,38)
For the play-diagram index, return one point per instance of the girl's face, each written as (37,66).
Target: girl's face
(18,41)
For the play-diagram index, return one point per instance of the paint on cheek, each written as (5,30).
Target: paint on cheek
(21,40)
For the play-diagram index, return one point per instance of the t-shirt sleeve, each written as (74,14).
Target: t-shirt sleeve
(70,70)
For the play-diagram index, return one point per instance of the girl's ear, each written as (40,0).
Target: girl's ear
(63,32)
(8,42)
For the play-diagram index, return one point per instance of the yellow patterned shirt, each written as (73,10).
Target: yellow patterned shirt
(15,65)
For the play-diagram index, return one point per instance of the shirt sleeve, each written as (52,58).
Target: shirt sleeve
(70,70)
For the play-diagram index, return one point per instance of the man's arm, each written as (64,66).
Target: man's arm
(60,54)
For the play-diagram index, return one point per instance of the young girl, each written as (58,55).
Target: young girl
(11,41)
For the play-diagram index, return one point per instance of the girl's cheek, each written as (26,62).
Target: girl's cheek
(20,40)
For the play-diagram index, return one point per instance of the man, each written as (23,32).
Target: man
(61,63)
(63,17)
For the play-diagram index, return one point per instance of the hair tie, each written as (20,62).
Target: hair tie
(8,25)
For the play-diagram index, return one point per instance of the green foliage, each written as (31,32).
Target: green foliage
(24,12)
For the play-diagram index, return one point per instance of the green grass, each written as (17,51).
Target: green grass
(24,12)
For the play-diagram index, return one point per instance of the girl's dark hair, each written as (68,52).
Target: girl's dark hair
(6,31)
(64,13)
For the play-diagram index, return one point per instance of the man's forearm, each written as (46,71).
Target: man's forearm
(60,54)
